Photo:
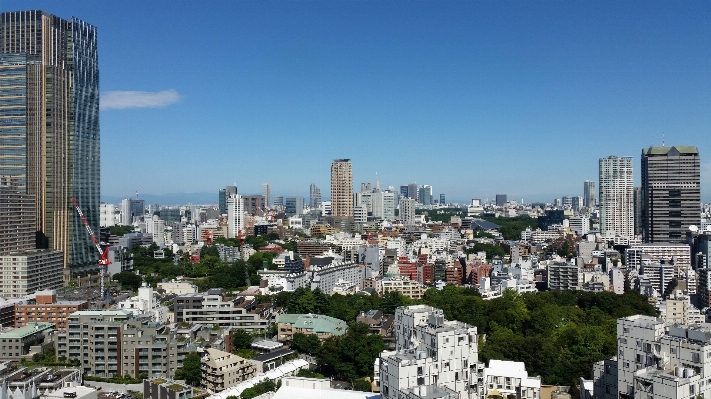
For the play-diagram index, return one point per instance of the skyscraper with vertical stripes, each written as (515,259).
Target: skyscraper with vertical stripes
(49,125)
(342,188)
(616,197)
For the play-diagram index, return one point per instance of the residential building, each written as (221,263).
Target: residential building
(47,309)
(320,325)
(50,72)
(145,303)
(17,219)
(671,192)
(272,360)
(431,355)
(267,194)
(563,276)
(616,197)
(186,301)
(253,204)
(221,370)
(407,211)
(16,343)
(27,272)
(314,197)
(239,312)
(589,200)
(655,359)
(409,288)
(580,225)
(508,379)
(671,253)
(112,343)
(342,188)
(235,216)
(160,388)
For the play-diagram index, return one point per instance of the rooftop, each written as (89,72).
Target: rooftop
(678,150)
(29,329)
(314,322)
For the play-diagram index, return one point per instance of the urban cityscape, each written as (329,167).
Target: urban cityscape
(360,290)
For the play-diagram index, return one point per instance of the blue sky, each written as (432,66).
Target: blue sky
(472,97)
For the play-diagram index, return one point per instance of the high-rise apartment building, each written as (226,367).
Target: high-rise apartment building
(407,211)
(235,216)
(314,197)
(671,193)
(17,221)
(342,188)
(616,197)
(49,125)
(267,194)
(589,200)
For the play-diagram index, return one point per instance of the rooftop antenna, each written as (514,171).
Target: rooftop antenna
(662,139)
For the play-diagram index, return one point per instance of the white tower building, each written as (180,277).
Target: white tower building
(616,197)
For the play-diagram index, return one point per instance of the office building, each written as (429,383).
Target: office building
(293,206)
(278,201)
(17,221)
(342,188)
(637,198)
(412,191)
(671,193)
(441,199)
(403,191)
(253,204)
(589,200)
(107,215)
(314,197)
(580,225)
(267,194)
(132,210)
(425,195)
(235,216)
(501,199)
(50,105)
(616,197)
(225,194)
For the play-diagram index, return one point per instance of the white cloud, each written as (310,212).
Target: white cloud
(138,99)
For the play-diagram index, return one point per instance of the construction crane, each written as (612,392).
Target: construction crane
(103,255)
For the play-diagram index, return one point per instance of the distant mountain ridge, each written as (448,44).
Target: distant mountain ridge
(168,199)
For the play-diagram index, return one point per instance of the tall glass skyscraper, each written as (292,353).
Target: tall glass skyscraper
(49,125)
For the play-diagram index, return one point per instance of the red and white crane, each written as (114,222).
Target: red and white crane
(103,255)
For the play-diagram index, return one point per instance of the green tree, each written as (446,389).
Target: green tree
(306,343)
(190,372)
(241,339)
(128,280)
(362,385)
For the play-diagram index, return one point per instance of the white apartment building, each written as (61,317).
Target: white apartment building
(235,216)
(678,254)
(407,287)
(616,197)
(360,213)
(655,360)
(145,303)
(509,379)
(23,273)
(178,287)
(326,278)
(437,358)
(108,215)
(221,370)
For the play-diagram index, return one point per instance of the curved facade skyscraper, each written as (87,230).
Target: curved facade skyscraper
(49,125)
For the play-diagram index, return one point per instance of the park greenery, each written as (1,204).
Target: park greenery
(511,227)
(558,334)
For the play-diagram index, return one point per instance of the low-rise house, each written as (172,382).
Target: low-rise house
(320,325)
(16,343)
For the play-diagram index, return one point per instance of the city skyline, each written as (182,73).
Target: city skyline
(563,84)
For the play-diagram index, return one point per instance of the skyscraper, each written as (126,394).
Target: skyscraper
(342,188)
(412,191)
(267,194)
(425,195)
(671,193)
(314,197)
(589,194)
(224,194)
(235,216)
(616,197)
(49,125)
(501,199)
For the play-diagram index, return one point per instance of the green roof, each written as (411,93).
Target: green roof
(683,150)
(315,322)
(29,329)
